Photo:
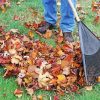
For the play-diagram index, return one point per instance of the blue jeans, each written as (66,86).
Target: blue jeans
(67,17)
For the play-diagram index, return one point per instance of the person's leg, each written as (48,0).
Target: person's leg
(67,16)
(67,20)
(50,11)
(50,15)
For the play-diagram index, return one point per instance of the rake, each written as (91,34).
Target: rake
(90,47)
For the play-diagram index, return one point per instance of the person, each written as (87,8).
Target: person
(67,18)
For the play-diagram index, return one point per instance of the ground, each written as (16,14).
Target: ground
(24,11)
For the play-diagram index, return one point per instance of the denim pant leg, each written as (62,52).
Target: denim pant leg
(67,16)
(50,11)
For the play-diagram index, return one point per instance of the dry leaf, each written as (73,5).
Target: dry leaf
(18,3)
(60,39)
(98,79)
(61,78)
(14,30)
(30,34)
(9,67)
(14,60)
(48,34)
(38,65)
(78,6)
(34,54)
(74,88)
(40,97)
(64,63)
(56,98)
(34,97)
(30,91)
(4,60)
(89,88)
(12,51)
(18,93)
(44,78)
(66,71)
(19,81)
(16,18)
(60,53)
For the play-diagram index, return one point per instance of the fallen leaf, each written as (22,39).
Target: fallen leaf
(48,34)
(89,88)
(10,67)
(97,19)
(34,97)
(60,53)
(12,51)
(30,91)
(18,93)
(18,3)
(53,81)
(60,39)
(40,97)
(30,34)
(98,79)
(78,6)
(56,98)
(34,54)
(14,60)
(4,60)
(66,71)
(74,88)
(56,69)
(14,30)
(16,18)
(19,81)
(61,78)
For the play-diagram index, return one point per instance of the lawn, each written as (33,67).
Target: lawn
(24,11)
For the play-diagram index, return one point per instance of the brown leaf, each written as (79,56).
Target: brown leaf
(40,97)
(79,7)
(61,78)
(53,81)
(56,97)
(55,70)
(34,54)
(89,88)
(30,91)
(10,67)
(74,88)
(98,79)
(4,60)
(30,34)
(60,39)
(18,93)
(7,73)
(38,62)
(19,81)
(34,97)
(16,18)
(66,71)
(64,63)
(97,19)
(48,34)
(60,53)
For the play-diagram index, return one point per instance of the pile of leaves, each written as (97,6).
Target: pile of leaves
(37,65)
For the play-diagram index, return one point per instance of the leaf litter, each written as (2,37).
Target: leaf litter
(37,65)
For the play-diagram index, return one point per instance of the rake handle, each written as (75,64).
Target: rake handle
(74,10)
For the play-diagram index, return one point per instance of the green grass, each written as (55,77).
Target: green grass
(7,86)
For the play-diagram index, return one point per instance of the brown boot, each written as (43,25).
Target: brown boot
(68,36)
(45,27)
